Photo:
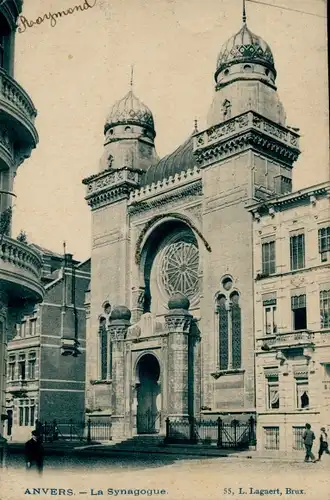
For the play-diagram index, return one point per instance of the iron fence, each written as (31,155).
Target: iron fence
(70,430)
(235,434)
(297,434)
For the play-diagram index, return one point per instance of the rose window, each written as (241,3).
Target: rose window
(179,269)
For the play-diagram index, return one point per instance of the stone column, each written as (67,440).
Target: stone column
(118,326)
(178,322)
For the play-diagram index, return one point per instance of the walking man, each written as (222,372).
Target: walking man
(324,447)
(34,452)
(308,438)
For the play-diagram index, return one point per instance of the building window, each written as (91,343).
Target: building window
(302,395)
(4,43)
(270,325)
(22,329)
(226,109)
(223,332)
(26,412)
(297,251)
(272,438)
(273,397)
(299,312)
(325,308)
(268,258)
(298,442)
(324,243)
(32,365)
(21,367)
(229,331)
(236,321)
(11,367)
(33,327)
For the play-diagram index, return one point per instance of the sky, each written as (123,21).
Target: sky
(77,69)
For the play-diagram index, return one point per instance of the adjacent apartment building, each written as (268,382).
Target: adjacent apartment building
(292,315)
(46,356)
(20,265)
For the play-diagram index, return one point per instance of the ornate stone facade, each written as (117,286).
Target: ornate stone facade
(182,225)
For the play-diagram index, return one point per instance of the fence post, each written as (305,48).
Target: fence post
(252,438)
(192,434)
(71,429)
(167,429)
(219,440)
(89,439)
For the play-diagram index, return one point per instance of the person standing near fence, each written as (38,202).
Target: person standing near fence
(324,446)
(34,452)
(308,438)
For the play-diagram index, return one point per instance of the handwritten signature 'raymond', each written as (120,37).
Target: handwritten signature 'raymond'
(24,23)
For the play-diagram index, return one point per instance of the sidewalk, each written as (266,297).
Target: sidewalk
(113,449)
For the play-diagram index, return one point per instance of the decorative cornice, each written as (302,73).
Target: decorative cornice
(192,189)
(237,134)
(309,195)
(110,186)
(173,182)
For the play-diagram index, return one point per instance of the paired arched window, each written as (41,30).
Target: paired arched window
(229,323)
(105,345)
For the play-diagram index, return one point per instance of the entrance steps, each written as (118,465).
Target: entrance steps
(140,441)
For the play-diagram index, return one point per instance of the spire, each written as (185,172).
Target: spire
(132,75)
(244,13)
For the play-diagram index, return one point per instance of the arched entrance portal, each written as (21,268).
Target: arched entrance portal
(148,392)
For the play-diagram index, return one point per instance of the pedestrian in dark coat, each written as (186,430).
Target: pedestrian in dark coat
(324,446)
(34,452)
(308,438)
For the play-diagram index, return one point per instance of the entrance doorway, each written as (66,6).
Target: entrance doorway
(148,393)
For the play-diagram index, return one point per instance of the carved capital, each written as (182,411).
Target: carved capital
(178,323)
(118,332)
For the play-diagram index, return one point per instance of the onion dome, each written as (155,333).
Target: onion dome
(179,161)
(245,47)
(120,313)
(178,301)
(130,111)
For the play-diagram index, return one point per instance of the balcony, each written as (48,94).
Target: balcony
(20,272)
(301,338)
(17,115)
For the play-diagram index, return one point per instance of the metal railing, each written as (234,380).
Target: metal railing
(71,430)
(235,434)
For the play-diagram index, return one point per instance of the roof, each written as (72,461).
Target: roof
(45,251)
(244,46)
(179,161)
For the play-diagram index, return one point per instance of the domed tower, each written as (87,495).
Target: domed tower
(129,135)
(245,79)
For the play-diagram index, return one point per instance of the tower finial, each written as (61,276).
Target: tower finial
(195,126)
(244,13)
(132,75)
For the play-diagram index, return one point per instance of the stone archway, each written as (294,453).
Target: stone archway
(148,390)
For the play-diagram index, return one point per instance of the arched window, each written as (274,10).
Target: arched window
(236,330)
(103,340)
(229,323)
(223,331)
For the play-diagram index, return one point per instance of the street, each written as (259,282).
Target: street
(168,477)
